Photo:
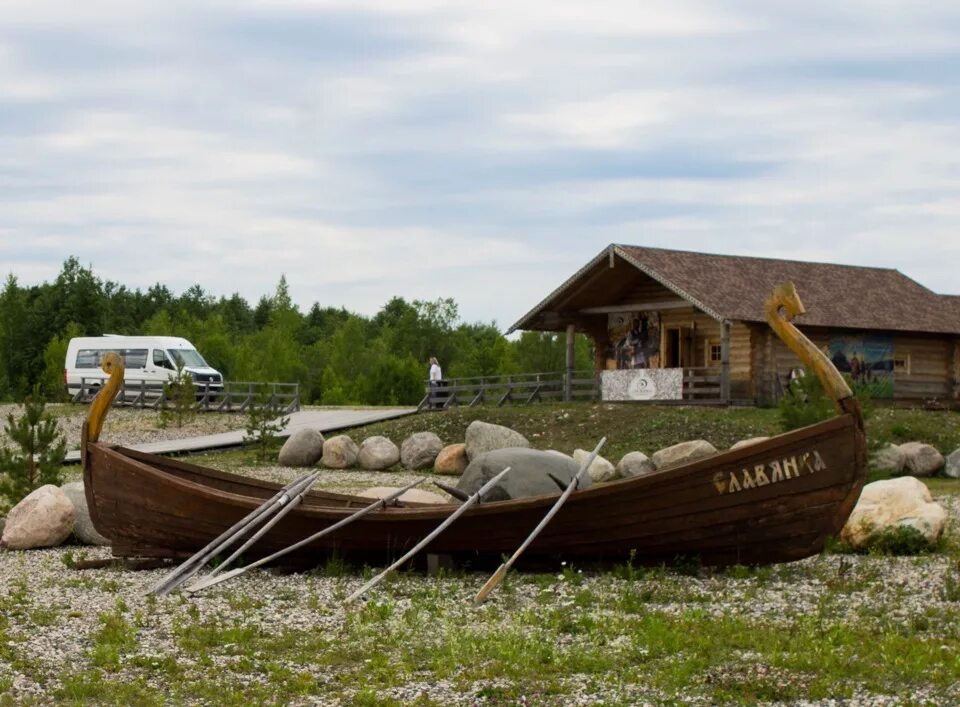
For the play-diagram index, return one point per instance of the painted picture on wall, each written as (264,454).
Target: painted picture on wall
(634,340)
(868,359)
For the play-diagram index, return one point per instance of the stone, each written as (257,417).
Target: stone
(683,453)
(339,452)
(921,459)
(452,460)
(303,448)
(377,453)
(952,469)
(420,450)
(747,442)
(484,437)
(600,469)
(890,459)
(528,475)
(411,496)
(890,503)
(43,519)
(635,464)
(83,529)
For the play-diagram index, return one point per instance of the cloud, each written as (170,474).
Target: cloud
(480,151)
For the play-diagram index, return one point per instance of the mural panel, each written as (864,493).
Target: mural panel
(868,359)
(634,340)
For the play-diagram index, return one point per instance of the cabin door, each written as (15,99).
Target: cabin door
(676,348)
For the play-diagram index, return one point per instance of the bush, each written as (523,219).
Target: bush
(181,398)
(263,425)
(806,403)
(41,451)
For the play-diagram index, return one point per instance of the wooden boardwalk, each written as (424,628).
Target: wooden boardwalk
(324,420)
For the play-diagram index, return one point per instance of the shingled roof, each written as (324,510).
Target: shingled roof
(844,296)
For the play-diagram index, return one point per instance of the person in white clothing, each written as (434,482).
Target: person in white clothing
(435,374)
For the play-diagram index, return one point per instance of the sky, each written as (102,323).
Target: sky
(482,151)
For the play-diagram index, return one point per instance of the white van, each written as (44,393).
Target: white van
(149,362)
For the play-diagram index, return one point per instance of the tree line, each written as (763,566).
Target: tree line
(338,357)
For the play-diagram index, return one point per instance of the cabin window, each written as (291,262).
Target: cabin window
(901,364)
(714,353)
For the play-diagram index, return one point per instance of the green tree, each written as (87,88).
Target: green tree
(264,423)
(53,384)
(181,398)
(41,451)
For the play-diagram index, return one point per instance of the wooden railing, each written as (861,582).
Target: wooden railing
(699,385)
(230,396)
(514,388)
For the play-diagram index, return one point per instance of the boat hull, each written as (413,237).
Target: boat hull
(774,501)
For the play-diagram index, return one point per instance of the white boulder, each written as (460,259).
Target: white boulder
(600,469)
(83,529)
(411,496)
(683,453)
(635,464)
(887,504)
(952,469)
(43,519)
(890,459)
(339,452)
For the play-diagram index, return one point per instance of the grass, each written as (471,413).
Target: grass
(831,627)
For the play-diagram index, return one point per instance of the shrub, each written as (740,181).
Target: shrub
(263,424)
(41,451)
(181,398)
(806,403)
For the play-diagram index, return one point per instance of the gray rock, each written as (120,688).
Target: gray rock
(635,464)
(484,437)
(339,452)
(527,475)
(952,468)
(303,448)
(891,459)
(43,519)
(922,459)
(420,450)
(3,524)
(411,496)
(83,529)
(377,453)
(600,469)
(683,453)
(748,442)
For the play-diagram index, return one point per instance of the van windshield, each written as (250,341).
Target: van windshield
(187,357)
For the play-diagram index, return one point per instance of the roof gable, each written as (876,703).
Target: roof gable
(735,287)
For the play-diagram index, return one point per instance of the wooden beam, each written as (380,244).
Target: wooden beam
(725,361)
(638,307)
(568,378)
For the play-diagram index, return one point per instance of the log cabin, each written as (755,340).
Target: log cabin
(687,326)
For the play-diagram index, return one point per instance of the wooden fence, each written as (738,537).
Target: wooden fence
(700,385)
(231,396)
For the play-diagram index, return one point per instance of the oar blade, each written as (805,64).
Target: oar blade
(208,582)
(495,579)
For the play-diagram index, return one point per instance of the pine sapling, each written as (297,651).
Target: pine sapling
(39,459)
(264,423)
(181,398)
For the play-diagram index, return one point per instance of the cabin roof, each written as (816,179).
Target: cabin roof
(733,287)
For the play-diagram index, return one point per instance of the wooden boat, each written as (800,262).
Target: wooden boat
(774,501)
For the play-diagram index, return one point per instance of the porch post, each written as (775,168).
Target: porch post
(725,361)
(568,378)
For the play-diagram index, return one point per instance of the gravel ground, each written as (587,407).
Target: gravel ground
(52,619)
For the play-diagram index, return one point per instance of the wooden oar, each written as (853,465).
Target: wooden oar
(501,572)
(423,543)
(265,529)
(381,503)
(191,565)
